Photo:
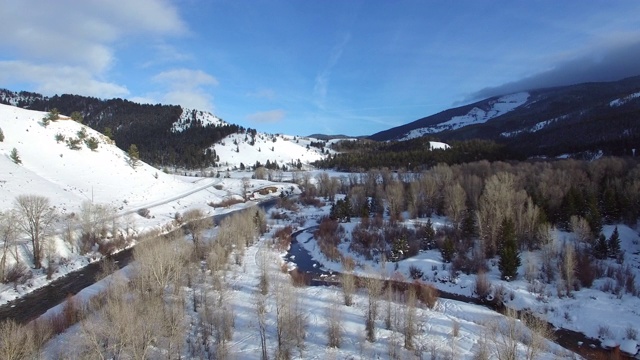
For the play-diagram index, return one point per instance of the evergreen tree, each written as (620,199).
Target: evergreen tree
(601,248)
(108,133)
(468,226)
(92,143)
(613,244)
(134,155)
(448,250)
(53,115)
(15,157)
(77,117)
(1,135)
(593,216)
(508,250)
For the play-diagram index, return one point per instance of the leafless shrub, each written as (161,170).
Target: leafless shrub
(415,272)
(334,326)
(455,328)
(482,285)
(18,273)
(631,333)
(603,331)
(426,293)
(282,238)
(374,288)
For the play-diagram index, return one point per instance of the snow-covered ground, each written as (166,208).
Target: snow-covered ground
(103,176)
(436,337)
(624,100)
(591,311)
(476,115)
(286,150)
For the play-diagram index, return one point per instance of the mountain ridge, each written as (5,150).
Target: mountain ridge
(576,119)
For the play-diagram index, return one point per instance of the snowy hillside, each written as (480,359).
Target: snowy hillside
(68,177)
(476,115)
(197,118)
(241,149)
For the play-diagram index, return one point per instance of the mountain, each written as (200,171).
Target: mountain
(172,136)
(583,119)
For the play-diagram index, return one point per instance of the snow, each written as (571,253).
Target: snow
(283,149)
(192,117)
(535,128)
(585,311)
(435,336)
(104,176)
(629,347)
(624,100)
(476,115)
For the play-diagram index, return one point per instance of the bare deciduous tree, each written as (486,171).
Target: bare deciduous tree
(569,267)
(159,263)
(8,236)
(374,287)
(334,325)
(410,316)
(454,200)
(36,219)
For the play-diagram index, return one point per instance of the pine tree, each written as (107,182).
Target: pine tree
(15,157)
(613,244)
(448,250)
(77,117)
(1,135)
(53,115)
(92,143)
(108,133)
(601,248)
(508,250)
(134,155)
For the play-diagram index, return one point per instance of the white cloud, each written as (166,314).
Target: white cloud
(187,87)
(54,79)
(271,116)
(69,40)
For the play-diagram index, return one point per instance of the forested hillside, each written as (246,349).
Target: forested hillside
(149,127)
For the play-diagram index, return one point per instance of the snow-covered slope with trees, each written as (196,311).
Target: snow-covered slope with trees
(246,149)
(68,177)
(476,115)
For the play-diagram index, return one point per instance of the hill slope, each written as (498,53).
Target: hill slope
(578,119)
(68,177)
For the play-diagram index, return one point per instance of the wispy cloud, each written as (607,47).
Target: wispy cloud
(271,116)
(268,94)
(187,87)
(321,85)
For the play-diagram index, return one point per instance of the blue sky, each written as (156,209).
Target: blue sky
(351,67)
